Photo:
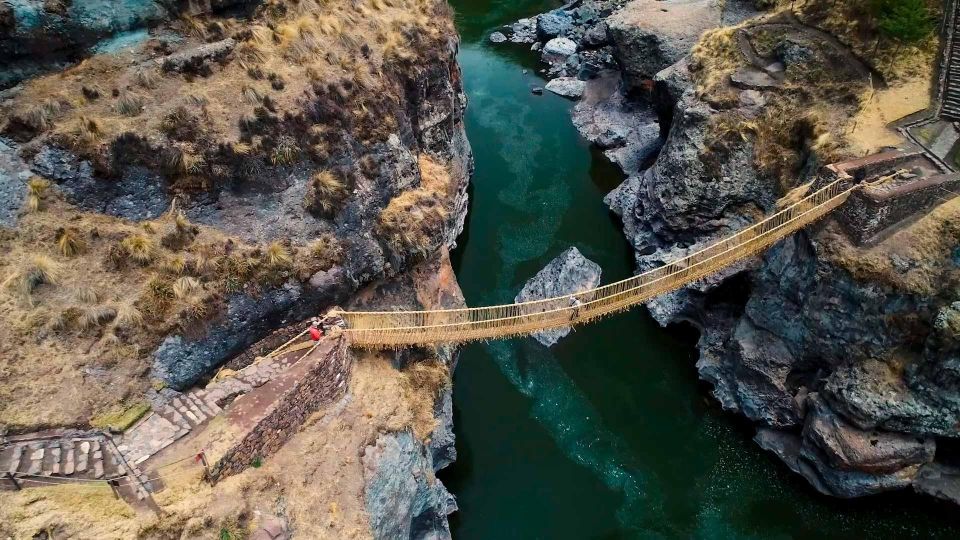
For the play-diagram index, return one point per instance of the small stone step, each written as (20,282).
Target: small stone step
(55,457)
(36,461)
(200,405)
(15,459)
(214,408)
(82,456)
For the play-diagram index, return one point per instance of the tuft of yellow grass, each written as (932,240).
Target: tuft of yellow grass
(36,191)
(38,270)
(70,242)
(278,256)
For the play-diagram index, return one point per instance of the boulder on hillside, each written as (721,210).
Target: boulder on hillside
(651,35)
(569,273)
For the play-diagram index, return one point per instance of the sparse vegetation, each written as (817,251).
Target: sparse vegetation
(139,248)
(37,270)
(70,242)
(413,222)
(185,286)
(95,317)
(128,317)
(285,152)
(278,256)
(325,193)
(36,192)
(327,251)
(129,104)
(146,77)
(121,417)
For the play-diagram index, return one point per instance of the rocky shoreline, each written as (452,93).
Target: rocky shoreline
(842,388)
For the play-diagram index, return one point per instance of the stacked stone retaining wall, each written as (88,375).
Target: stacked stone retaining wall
(872,212)
(324,381)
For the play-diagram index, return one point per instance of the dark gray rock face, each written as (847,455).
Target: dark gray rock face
(629,132)
(649,35)
(14,174)
(138,194)
(805,349)
(840,460)
(569,273)
(180,361)
(36,35)
(403,497)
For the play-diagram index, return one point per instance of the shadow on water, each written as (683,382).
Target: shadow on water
(608,434)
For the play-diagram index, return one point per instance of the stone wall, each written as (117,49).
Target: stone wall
(324,381)
(871,211)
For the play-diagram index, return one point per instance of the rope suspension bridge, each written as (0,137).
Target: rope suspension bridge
(395,329)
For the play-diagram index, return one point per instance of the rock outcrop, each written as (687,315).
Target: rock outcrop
(569,273)
(850,377)
(650,36)
(403,496)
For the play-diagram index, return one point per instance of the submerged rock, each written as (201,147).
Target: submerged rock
(569,273)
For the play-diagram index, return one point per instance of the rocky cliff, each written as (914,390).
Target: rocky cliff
(195,175)
(842,354)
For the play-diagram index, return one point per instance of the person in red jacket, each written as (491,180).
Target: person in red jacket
(315,332)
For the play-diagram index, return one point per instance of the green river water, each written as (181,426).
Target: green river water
(608,434)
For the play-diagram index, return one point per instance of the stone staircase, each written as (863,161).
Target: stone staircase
(162,427)
(950,105)
(63,456)
(181,413)
(59,458)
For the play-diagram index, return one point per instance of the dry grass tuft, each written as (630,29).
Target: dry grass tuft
(39,270)
(285,152)
(88,132)
(70,242)
(327,250)
(129,104)
(278,256)
(325,193)
(128,317)
(174,264)
(36,191)
(140,248)
(413,222)
(86,295)
(95,317)
(185,287)
(147,77)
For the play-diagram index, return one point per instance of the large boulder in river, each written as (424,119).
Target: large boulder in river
(569,273)
(650,35)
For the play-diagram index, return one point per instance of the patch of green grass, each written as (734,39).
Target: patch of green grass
(120,419)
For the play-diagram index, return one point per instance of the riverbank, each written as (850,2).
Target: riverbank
(714,175)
